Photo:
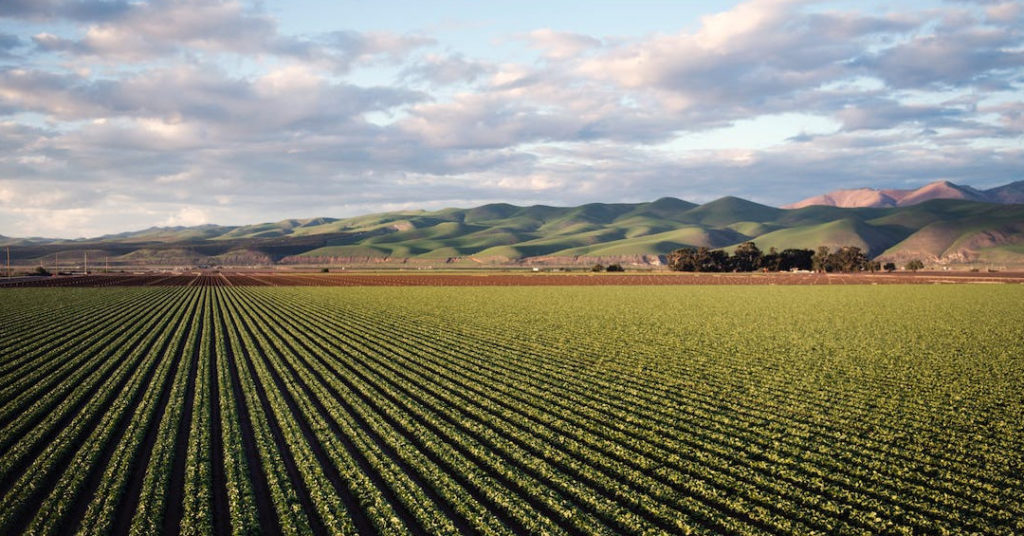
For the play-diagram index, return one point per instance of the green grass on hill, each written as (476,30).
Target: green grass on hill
(934,229)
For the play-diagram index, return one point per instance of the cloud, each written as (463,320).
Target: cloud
(63,95)
(1010,116)
(204,111)
(186,217)
(1005,12)
(878,114)
(8,42)
(80,10)
(750,59)
(284,99)
(954,56)
(49,42)
(561,45)
(446,69)
(141,32)
(348,47)
(163,27)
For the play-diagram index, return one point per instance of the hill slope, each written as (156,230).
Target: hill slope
(937,231)
(870,197)
(1008,193)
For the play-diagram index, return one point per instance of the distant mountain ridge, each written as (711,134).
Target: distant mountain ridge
(938,231)
(1012,193)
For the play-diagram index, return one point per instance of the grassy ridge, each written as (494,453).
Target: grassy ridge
(939,230)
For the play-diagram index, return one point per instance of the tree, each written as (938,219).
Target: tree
(701,259)
(615,268)
(848,259)
(820,260)
(746,258)
(597,268)
(914,265)
(889,266)
(771,261)
(796,259)
(712,260)
(686,260)
(682,260)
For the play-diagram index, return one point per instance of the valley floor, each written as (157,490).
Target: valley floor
(353,278)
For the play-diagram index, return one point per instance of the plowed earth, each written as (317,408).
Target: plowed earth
(507,279)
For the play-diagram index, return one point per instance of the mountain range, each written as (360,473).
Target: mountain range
(870,197)
(937,231)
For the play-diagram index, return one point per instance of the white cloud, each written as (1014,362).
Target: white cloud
(1005,12)
(187,216)
(561,45)
(446,69)
(153,29)
(185,112)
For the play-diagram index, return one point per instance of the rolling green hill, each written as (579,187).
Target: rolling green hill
(941,231)
(837,233)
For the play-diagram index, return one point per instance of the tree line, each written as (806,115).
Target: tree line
(747,257)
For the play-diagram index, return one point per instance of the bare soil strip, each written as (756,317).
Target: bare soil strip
(265,511)
(130,500)
(174,508)
(476,279)
(292,470)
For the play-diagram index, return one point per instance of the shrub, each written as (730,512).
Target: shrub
(914,265)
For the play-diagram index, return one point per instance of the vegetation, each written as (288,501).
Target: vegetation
(502,410)
(747,257)
(787,260)
(604,233)
(845,259)
(914,265)
(700,259)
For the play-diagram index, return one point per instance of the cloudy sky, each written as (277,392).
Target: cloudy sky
(120,115)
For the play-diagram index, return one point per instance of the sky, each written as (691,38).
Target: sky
(122,115)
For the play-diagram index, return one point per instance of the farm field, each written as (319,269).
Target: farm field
(210,406)
(486,278)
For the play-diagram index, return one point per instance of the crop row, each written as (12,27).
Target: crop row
(217,408)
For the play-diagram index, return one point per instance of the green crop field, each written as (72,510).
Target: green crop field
(513,410)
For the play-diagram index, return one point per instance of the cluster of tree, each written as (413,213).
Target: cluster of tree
(747,257)
(38,271)
(844,259)
(609,268)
